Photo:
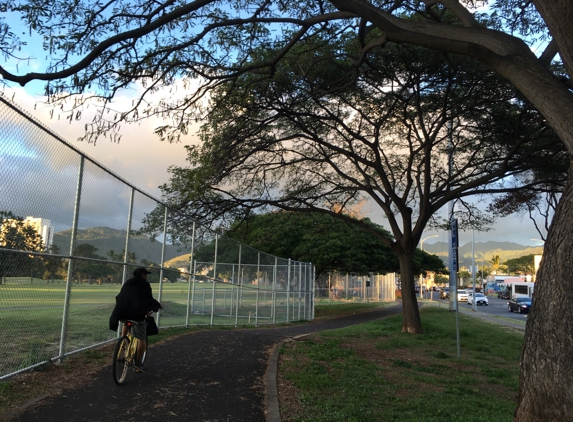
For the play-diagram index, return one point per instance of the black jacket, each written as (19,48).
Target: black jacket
(133,302)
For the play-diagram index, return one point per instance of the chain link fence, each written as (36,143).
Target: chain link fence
(345,287)
(71,234)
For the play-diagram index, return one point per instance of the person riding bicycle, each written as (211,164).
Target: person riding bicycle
(134,302)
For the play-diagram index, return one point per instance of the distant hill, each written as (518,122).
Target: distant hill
(181,261)
(106,239)
(483,251)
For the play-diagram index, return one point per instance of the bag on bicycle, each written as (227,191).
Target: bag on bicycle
(152,328)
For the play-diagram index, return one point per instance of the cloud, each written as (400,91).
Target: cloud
(140,157)
(38,174)
(514,228)
(142,160)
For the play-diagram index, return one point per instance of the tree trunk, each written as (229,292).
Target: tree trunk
(411,314)
(546,379)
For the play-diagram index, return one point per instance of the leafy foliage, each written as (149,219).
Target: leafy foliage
(329,243)
(323,135)
(17,234)
(522,265)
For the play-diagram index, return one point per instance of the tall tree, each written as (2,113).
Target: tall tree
(524,265)
(328,242)
(108,46)
(495,264)
(323,132)
(87,269)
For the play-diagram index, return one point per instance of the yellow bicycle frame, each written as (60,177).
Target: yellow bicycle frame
(131,354)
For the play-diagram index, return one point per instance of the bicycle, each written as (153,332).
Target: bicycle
(125,353)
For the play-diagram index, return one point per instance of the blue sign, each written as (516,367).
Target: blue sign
(454,224)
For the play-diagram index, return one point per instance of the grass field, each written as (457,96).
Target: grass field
(31,314)
(374,373)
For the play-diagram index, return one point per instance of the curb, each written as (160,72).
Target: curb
(271,391)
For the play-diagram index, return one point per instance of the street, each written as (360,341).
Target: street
(496,307)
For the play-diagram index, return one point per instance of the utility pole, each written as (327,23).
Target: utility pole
(474,306)
(453,297)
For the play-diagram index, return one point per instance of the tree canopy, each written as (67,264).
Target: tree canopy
(98,49)
(524,265)
(410,131)
(329,243)
(17,234)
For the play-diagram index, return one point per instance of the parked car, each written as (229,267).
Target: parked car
(480,299)
(519,304)
(462,295)
(445,293)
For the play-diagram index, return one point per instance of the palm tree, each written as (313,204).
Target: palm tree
(495,264)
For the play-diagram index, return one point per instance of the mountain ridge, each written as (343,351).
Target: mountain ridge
(483,251)
(106,239)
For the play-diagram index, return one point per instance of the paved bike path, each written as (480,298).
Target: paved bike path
(206,376)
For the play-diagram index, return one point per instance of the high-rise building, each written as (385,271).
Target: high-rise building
(44,228)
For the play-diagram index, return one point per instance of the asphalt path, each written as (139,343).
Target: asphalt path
(206,376)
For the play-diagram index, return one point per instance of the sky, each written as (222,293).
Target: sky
(142,159)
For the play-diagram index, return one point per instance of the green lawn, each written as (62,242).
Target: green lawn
(373,372)
(31,314)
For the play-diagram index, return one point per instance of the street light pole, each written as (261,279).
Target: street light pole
(474,305)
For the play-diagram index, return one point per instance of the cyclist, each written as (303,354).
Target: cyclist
(134,302)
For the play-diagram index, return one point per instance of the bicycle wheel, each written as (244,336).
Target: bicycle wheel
(144,353)
(120,360)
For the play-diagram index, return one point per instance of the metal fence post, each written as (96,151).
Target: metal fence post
(304,293)
(307,310)
(299,286)
(258,288)
(214,280)
(288,292)
(312,305)
(126,250)
(232,291)
(66,312)
(190,272)
(162,262)
(238,288)
(126,254)
(274,292)
(193,291)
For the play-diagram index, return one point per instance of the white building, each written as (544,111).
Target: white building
(44,228)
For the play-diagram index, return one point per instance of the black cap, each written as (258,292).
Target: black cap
(140,271)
